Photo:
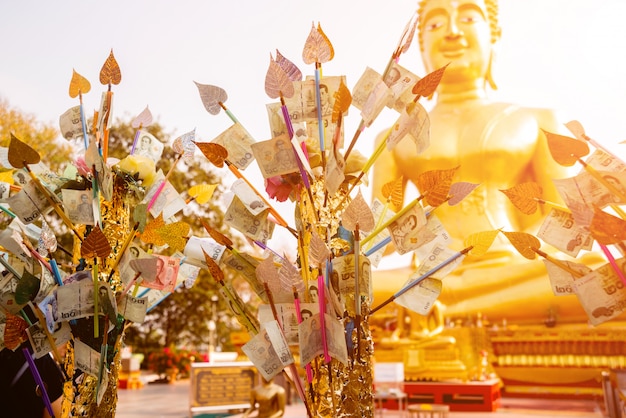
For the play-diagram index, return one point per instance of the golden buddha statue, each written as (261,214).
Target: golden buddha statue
(269,398)
(496,145)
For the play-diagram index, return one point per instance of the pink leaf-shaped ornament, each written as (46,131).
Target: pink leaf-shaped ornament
(143,119)
(212,97)
(318,251)
(48,238)
(185,145)
(409,33)
(277,82)
(148,267)
(358,212)
(293,72)
(317,47)
(459,190)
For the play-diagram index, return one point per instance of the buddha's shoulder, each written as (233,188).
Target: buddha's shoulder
(542,117)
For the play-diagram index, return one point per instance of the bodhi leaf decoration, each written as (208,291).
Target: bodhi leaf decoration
(27,288)
(266,270)
(95,244)
(426,86)
(110,72)
(481,241)
(409,33)
(343,100)
(394,192)
(175,234)
(565,150)
(48,239)
(185,145)
(317,48)
(606,228)
(150,234)
(277,82)
(213,97)
(217,236)
(143,119)
(525,243)
(435,185)
(140,215)
(202,193)
(318,251)
(524,196)
(215,153)
(79,85)
(214,268)
(459,190)
(358,212)
(292,71)
(14,331)
(20,153)
(290,277)
(147,266)
(576,128)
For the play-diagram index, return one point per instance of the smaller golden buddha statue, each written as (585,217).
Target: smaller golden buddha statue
(269,399)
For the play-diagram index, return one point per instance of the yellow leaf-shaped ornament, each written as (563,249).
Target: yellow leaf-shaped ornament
(524,196)
(202,193)
(79,85)
(214,268)
(606,228)
(175,234)
(293,72)
(435,185)
(480,241)
(20,153)
(213,97)
(143,119)
(317,48)
(343,100)
(358,212)
(215,153)
(394,192)
(150,235)
(459,190)
(565,150)
(525,243)
(277,82)
(95,244)
(427,86)
(110,72)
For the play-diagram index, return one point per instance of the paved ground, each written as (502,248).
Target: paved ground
(172,401)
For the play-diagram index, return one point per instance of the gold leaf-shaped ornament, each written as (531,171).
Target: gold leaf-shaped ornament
(150,234)
(213,97)
(358,212)
(481,241)
(110,72)
(565,150)
(20,153)
(343,100)
(143,119)
(175,234)
(277,82)
(215,153)
(95,244)
(523,196)
(394,192)
(606,228)
(435,185)
(317,48)
(524,243)
(202,193)
(79,85)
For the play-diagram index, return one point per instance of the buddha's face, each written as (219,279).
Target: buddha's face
(456,32)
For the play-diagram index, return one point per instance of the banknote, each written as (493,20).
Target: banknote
(559,230)
(237,142)
(258,228)
(602,293)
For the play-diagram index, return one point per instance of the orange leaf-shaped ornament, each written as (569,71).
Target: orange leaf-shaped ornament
(215,153)
(606,228)
(317,47)
(459,190)
(110,72)
(217,236)
(95,244)
(79,85)
(202,193)
(175,234)
(343,100)
(150,234)
(426,86)
(213,267)
(358,212)
(143,119)
(213,97)
(524,196)
(394,192)
(480,241)
(293,72)
(524,243)
(20,153)
(435,185)
(277,82)
(565,150)
(14,331)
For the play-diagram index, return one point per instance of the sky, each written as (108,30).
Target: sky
(562,54)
